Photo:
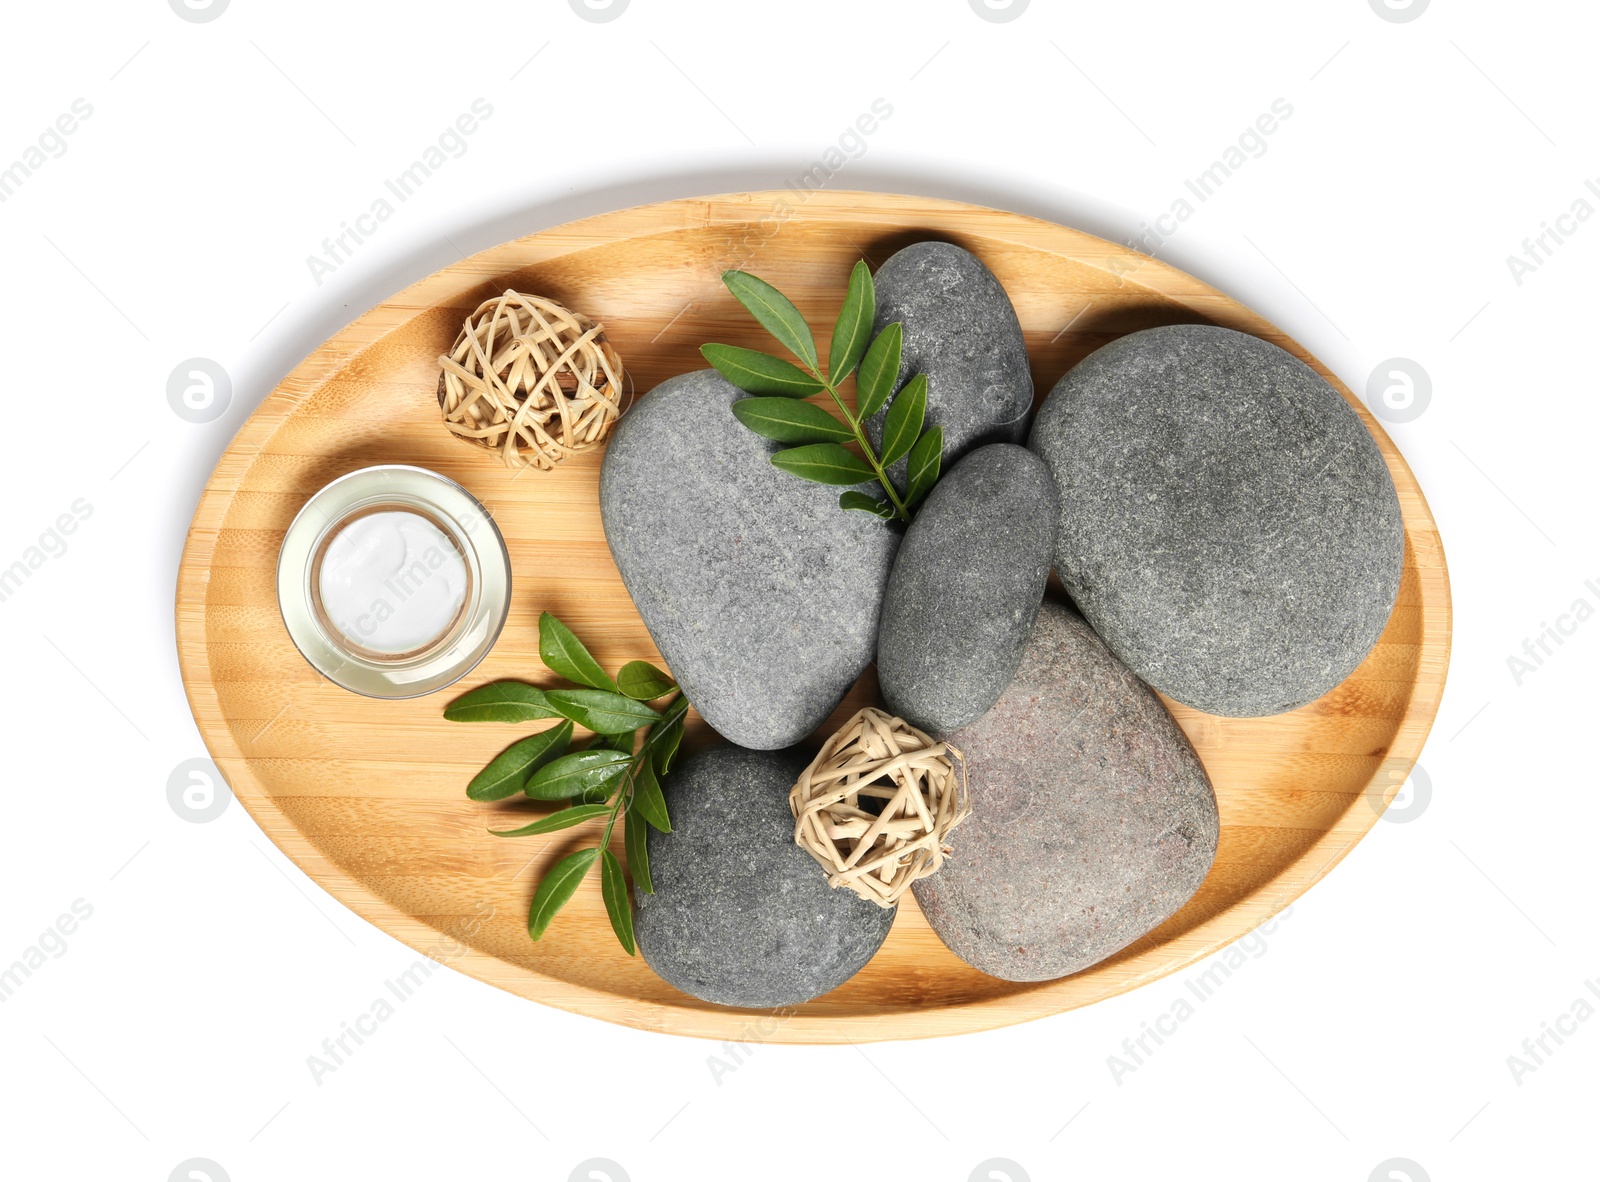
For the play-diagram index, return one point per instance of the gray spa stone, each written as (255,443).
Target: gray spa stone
(966,588)
(1228,525)
(1092,818)
(962,332)
(742,916)
(761,593)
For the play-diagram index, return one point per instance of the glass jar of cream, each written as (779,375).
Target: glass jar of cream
(393,581)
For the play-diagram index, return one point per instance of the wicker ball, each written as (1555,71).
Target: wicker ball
(531,380)
(877,804)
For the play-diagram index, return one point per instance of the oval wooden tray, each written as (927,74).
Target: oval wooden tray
(368,796)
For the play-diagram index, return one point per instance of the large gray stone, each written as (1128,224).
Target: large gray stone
(966,588)
(1228,526)
(1092,818)
(761,593)
(742,916)
(962,332)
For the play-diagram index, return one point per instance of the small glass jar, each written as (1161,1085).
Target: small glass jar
(462,640)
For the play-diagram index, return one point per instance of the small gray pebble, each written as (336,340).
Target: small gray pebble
(963,334)
(966,588)
(1228,525)
(1092,817)
(761,593)
(741,915)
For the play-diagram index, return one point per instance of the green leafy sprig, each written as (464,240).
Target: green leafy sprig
(616,777)
(779,409)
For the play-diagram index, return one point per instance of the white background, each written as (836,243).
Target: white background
(1378,1019)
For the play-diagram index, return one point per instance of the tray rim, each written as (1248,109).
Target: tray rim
(691,1017)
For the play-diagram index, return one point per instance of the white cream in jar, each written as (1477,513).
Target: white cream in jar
(391,582)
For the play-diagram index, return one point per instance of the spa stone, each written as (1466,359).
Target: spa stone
(741,915)
(966,588)
(761,593)
(1092,817)
(1228,525)
(961,331)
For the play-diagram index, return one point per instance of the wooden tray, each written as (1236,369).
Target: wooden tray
(368,796)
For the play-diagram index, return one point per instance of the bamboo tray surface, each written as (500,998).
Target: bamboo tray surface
(368,796)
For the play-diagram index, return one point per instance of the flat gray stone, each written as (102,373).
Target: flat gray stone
(962,332)
(1092,818)
(966,588)
(742,916)
(1228,525)
(761,593)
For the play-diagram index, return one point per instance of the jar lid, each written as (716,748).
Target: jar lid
(456,514)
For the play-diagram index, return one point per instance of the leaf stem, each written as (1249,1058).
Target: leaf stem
(623,801)
(871,456)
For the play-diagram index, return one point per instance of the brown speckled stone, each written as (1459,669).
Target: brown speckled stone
(1092,819)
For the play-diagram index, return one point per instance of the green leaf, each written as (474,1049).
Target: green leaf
(823,463)
(789,421)
(667,734)
(760,373)
(563,819)
(675,710)
(643,682)
(853,329)
(860,500)
(880,369)
(578,773)
(667,750)
(635,841)
(564,653)
(558,886)
(614,890)
(602,711)
(903,423)
(922,466)
(776,314)
(500,701)
(622,741)
(647,799)
(509,771)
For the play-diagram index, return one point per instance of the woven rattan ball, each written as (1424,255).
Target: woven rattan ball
(531,380)
(877,803)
